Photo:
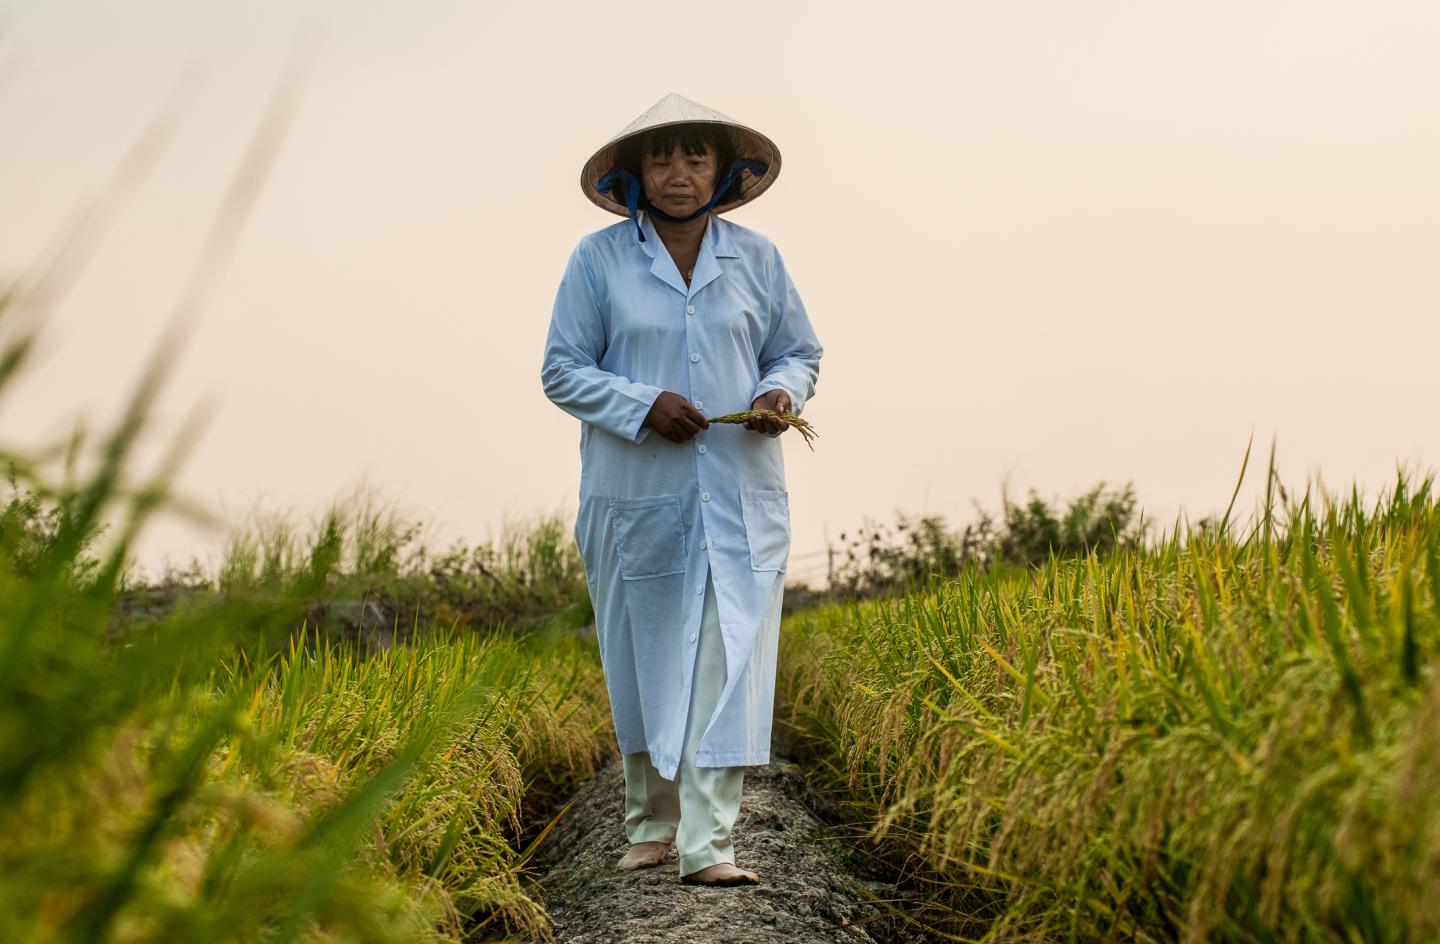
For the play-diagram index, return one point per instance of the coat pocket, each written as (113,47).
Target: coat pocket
(767,527)
(649,536)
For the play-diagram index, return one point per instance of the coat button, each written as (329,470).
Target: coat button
(699,404)
(692,637)
(703,450)
(704,496)
(694,358)
(702,545)
(689,309)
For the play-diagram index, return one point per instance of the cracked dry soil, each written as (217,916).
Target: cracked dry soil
(805,895)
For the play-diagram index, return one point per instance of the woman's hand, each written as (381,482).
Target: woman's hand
(672,416)
(777,400)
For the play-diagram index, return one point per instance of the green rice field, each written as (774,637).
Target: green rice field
(1233,735)
(1229,733)
(187,784)
(214,759)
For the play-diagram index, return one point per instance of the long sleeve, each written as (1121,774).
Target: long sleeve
(571,374)
(790,358)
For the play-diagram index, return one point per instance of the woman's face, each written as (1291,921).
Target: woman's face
(679,183)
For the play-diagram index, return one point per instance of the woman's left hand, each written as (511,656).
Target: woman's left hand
(777,400)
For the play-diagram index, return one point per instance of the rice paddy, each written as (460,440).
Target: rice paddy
(212,762)
(179,787)
(1217,737)
(1227,734)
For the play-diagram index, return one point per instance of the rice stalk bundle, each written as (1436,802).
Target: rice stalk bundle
(807,432)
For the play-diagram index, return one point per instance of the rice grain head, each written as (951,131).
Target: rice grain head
(807,432)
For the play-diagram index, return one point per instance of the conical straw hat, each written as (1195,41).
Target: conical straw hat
(678,110)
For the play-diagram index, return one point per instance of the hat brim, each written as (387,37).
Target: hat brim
(749,144)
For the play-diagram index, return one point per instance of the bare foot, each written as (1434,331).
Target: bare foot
(721,873)
(643,855)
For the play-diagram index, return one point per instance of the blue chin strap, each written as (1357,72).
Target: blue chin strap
(635,200)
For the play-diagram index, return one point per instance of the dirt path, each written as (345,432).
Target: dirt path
(805,896)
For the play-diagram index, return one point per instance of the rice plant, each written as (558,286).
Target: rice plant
(1218,736)
(207,765)
(211,774)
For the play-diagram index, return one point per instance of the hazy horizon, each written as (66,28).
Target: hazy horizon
(1057,243)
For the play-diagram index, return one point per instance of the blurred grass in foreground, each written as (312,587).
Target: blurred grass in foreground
(1216,738)
(207,773)
(217,764)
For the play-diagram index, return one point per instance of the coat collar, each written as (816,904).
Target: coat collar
(716,244)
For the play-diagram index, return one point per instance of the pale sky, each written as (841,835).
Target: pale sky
(1058,241)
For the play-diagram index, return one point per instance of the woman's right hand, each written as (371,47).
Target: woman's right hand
(672,416)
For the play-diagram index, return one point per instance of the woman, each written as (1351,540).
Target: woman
(684,527)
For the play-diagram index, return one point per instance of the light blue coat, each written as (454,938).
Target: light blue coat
(656,517)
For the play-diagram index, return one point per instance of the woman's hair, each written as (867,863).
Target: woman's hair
(692,139)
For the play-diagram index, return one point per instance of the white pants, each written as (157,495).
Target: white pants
(698,807)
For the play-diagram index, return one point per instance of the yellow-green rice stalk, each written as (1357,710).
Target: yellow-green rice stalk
(806,431)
